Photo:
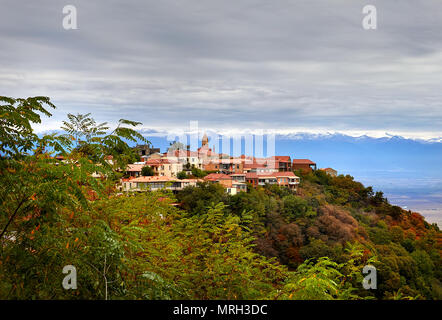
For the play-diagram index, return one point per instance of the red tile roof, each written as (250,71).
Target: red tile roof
(282,158)
(255,165)
(217,177)
(254,175)
(303,161)
(134,167)
(251,175)
(157,162)
(153,162)
(260,163)
(285,174)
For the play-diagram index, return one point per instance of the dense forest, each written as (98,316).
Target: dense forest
(200,243)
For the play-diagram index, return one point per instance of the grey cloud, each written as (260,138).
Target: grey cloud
(244,63)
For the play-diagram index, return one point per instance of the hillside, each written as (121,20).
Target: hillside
(199,243)
(326,218)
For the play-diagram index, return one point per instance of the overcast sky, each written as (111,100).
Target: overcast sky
(238,64)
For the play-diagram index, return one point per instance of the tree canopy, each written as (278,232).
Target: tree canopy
(200,243)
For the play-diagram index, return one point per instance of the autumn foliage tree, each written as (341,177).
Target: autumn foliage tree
(201,243)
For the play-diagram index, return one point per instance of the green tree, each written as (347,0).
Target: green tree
(196,200)
(39,197)
(16,116)
(83,126)
(93,141)
(182,175)
(147,171)
(316,281)
(295,207)
(198,173)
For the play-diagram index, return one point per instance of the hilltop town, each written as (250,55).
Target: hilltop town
(284,238)
(178,168)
